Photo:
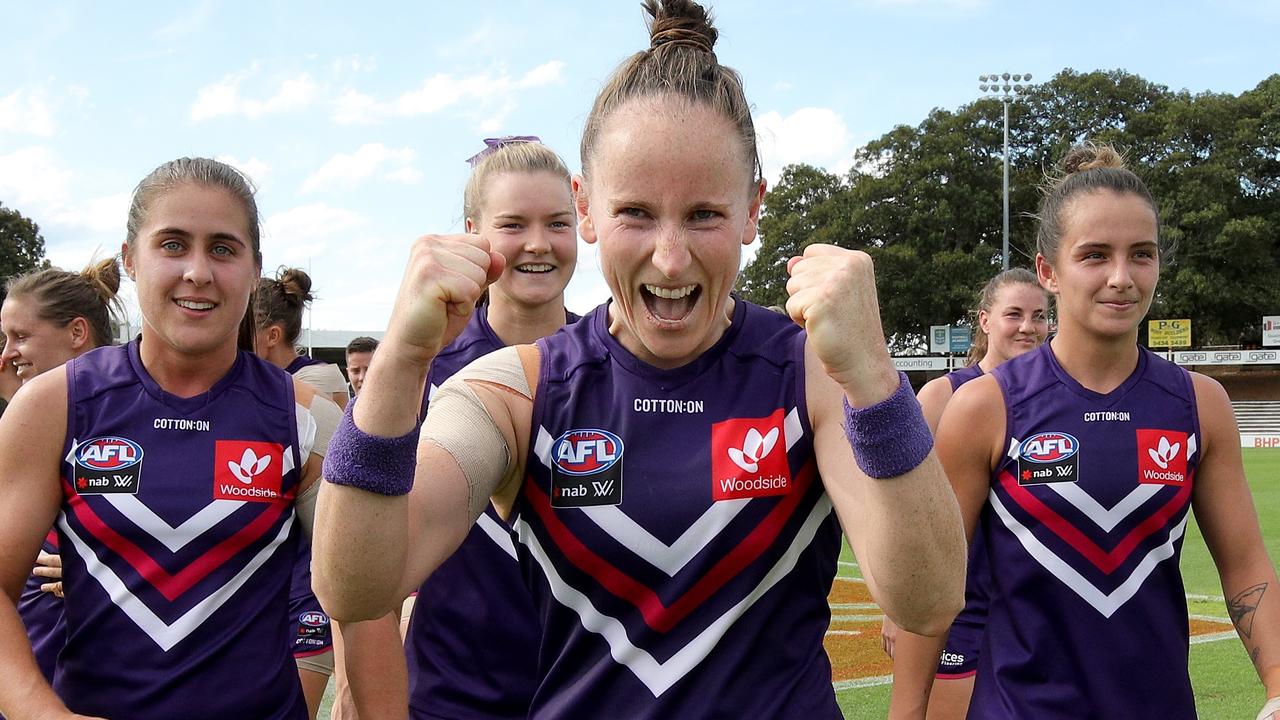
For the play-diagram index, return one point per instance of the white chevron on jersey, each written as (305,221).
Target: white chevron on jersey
(177,537)
(174,538)
(672,558)
(164,634)
(1105,518)
(497,534)
(657,676)
(1104,603)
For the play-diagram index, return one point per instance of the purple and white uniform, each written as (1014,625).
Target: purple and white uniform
(41,613)
(177,537)
(964,641)
(674,531)
(472,644)
(1084,525)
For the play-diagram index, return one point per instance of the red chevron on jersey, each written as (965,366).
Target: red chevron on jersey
(1104,560)
(169,585)
(658,615)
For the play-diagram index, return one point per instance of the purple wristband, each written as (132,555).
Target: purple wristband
(378,464)
(891,437)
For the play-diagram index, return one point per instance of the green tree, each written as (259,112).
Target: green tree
(21,245)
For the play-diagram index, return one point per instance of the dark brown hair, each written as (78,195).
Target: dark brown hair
(61,296)
(1087,168)
(280,301)
(362,344)
(680,62)
(987,298)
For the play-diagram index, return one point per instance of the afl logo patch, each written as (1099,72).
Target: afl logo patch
(586,468)
(107,464)
(1049,457)
(314,619)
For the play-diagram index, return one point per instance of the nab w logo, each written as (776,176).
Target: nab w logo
(1049,457)
(586,469)
(108,464)
(250,465)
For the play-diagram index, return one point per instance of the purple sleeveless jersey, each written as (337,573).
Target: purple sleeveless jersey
(177,536)
(314,634)
(964,641)
(41,613)
(472,644)
(1084,523)
(674,531)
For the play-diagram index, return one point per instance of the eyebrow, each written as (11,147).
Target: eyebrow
(518,216)
(216,236)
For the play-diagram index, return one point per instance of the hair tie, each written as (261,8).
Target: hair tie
(680,37)
(492,145)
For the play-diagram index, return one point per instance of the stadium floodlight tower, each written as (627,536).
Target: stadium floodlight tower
(998,86)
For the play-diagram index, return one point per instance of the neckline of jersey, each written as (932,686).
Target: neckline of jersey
(668,377)
(183,405)
(1104,399)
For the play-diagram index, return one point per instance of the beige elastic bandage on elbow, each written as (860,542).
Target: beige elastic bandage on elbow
(459,423)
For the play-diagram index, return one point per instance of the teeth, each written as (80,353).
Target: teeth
(536,267)
(192,305)
(671,293)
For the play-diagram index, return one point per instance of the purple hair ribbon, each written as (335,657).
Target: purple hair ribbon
(491,146)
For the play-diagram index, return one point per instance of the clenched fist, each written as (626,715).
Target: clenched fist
(444,278)
(833,296)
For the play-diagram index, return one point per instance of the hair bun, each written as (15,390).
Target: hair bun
(295,283)
(1090,155)
(680,23)
(104,277)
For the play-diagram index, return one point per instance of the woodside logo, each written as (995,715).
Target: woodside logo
(748,458)
(247,470)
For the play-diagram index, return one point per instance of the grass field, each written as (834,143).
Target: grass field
(1225,683)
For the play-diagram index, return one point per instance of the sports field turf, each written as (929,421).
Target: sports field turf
(1226,686)
(1225,683)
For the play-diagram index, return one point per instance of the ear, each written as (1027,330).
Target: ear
(128,260)
(753,213)
(275,334)
(80,335)
(582,205)
(1046,275)
(983,318)
(471,227)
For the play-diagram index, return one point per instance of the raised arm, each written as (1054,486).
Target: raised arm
(886,484)
(32,433)
(1224,510)
(363,533)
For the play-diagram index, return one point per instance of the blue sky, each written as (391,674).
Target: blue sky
(356,120)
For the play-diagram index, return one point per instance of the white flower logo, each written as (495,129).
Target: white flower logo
(754,447)
(1164,453)
(249,467)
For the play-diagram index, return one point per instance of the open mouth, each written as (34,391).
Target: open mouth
(22,369)
(535,268)
(670,305)
(197,306)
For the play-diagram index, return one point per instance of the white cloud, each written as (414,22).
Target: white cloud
(27,113)
(354,64)
(440,91)
(224,98)
(817,136)
(301,232)
(105,214)
(32,177)
(256,169)
(348,170)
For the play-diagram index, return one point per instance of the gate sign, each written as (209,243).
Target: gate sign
(1169,333)
(961,339)
(1271,330)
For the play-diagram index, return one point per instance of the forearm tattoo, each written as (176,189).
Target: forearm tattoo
(1243,608)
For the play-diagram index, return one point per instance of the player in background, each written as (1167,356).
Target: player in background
(605,443)
(1011,319)
(176,468)
(277,311)
(1084,459)
(49,317)
(359,354)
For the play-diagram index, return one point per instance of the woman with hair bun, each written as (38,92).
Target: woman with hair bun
(175,468)
(676,465)
(1084,460)
(1011,319)
(277,312)
(48,318)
